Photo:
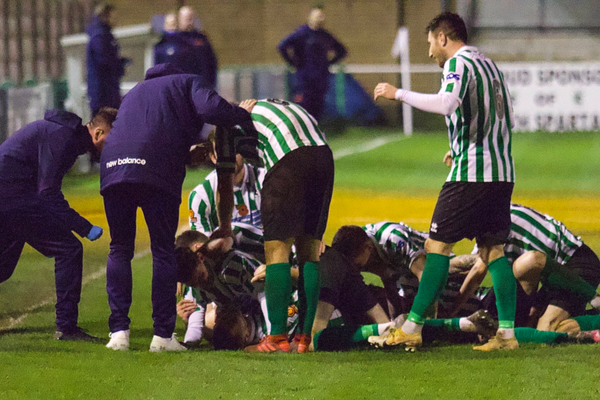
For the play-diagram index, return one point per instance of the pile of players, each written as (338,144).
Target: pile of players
(256,273)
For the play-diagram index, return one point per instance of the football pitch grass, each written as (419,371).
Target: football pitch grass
(398,181)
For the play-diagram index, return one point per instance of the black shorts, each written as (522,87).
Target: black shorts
(585,263)
(479,210)
(296,194)
(343,286)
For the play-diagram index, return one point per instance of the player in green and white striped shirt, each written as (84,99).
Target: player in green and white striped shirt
(475,200)
(295,205)
(542,249)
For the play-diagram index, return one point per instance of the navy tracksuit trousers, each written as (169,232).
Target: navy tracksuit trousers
(28,220)
(161,212)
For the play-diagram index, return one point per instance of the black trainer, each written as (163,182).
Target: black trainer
(77,334)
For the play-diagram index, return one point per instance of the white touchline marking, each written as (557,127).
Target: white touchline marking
(368,146)
(12,322)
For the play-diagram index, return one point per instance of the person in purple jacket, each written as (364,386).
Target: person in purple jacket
(143,166)
(311,50)
(33,210)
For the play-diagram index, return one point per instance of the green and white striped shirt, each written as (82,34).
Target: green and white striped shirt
(202,201)
(532,230)
(282,127)
(480,128)
(397,243)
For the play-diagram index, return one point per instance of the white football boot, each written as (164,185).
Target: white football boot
(160,344)
(119,340)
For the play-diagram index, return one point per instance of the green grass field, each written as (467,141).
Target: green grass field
(556,173)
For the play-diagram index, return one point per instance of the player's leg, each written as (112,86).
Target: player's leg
(505,289)
(161,212)
(317,188)
(551,318)
(120,205)
(278,283)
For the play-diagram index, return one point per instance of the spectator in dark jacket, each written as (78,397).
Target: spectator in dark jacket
(105,67)
(194,54)
(168,46)
(33,210)
(143,165)
(311,50)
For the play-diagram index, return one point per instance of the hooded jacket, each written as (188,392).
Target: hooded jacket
(159,120)
(34,160)
(104,66)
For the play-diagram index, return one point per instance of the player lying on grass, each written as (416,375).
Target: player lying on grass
(219,274)
(543,251)
(247,183)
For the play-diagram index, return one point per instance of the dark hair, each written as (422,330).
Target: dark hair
(189,237)
(106,115)
(350,240)
(451,24)
(229,332)
(187,261)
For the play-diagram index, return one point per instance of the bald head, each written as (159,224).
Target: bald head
(186,18)
(170,23)
(316,19)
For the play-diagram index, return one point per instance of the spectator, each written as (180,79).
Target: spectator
(104,66)
(194,53)
(311,50)
(166,49)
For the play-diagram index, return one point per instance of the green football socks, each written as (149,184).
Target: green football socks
(505,288)
(278,288)
(451,324)
(530,335)
(559,275)
(432,283)
(588,322)
(312,288)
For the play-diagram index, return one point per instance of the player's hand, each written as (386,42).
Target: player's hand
(448,158)
(385,90)
(95,233)
(185,308)
(260,274)
(248,105)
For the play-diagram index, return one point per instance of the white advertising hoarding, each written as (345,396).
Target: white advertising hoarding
(554,96)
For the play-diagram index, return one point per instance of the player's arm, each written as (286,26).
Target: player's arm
(55,158)
(225,168)
(439,103)
(472,281)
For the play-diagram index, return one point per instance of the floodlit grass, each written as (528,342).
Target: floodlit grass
(556,173)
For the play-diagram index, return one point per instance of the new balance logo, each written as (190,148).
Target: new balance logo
(453,75)
(124,161)
(433,227)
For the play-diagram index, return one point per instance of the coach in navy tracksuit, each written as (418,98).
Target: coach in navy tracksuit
(308,50)
(143,165)
(33,210)
(104,65)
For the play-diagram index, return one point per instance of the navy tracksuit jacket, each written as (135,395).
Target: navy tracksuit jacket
(33,210)
(143,165)
(104,67)
(311,59)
